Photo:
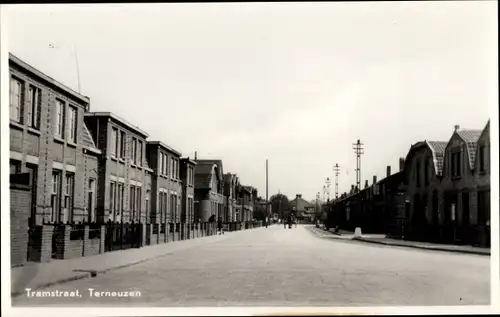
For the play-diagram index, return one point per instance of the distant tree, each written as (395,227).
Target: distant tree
(280,205)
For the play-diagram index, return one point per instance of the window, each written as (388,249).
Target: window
(114,142)
(72,123)
(123,148)
(456,164)
(165,164)
(132,200)
(482,158)
(112,198)
(59,127)
(147,198)
(55,195)
(35,103)
(32,169)
(15,167)
(171,173)
(16,100)
(427,172)
(68,195)
(90,200)
(118,142)
(119,198)
(139,153)
(172,208)
(134,151)
(177,169)
(160,163)
(138,208)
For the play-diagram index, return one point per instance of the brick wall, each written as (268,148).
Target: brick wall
(20,206)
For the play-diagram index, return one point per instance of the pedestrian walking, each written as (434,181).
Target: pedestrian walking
(219,226)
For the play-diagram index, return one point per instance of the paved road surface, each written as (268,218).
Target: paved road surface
(289,267)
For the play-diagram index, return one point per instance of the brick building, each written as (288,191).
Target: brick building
(49,140)
(465,185)
(422,178)
(230,182)
(187,178)
(124,175)
(208,189)
(166,184)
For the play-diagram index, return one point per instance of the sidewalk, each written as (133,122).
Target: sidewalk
(381,239)
(41,275)
(427,246)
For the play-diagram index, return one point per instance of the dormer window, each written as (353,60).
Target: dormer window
(456,163)
(482,158)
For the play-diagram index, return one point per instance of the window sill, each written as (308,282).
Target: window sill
(121,160)
(58,139)
(17,125)
(71,144)
(34,131)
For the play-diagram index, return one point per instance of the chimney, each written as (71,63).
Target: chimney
(352,188)
(388,170)
(366,183)
(401,163)
(457,127)
(374,179)
(195,155)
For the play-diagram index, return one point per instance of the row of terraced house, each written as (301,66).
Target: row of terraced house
(441,193)
(84,182)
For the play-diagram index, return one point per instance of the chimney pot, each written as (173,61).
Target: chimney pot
(366,183)
(457,127)
(374,179)
(401,163)
(388,170)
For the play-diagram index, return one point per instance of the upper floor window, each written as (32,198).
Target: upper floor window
(482,158)
(427,172)
(456,164)
(134,151)
(122,149)
(59,126)
(171,173)
(114,141)
(160,163)
(16,100)
(139,153)
(72,117)
(35,102)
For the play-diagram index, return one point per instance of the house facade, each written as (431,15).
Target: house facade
(166,185)
(463,182)
(187,178)
(49,140)
(208,189)
(423,173)
(124,174)
(230,184)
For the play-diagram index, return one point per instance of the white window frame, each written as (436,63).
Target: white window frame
(16,99)
(72,123)
(59,123)
(35,100)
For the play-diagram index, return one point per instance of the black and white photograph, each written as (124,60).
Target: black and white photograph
(341,156)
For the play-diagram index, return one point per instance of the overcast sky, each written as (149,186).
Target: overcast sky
(295,83)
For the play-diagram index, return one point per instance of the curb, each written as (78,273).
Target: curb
(424,247)
(88,274)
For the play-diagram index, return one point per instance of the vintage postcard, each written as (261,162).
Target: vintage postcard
(250,158)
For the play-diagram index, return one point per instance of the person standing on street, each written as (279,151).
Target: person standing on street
(219,226)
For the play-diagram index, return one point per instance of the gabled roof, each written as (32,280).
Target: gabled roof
(217,162)
(470,137)
(301,204)
(87,140)
(437,149)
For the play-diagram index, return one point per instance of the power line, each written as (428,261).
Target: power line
(358,149)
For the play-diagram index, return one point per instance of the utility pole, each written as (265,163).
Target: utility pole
(328,182)
(267,193)
(358,149)
(336,169)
